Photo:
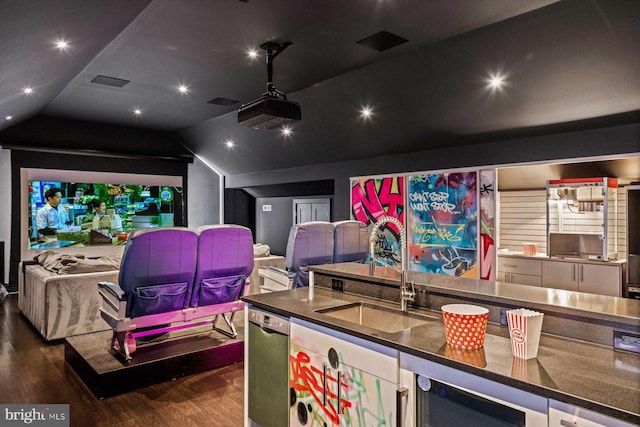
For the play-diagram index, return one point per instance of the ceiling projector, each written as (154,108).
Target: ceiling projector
(272,110)
(269,113)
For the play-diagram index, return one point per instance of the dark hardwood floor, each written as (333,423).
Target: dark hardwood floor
(35,372)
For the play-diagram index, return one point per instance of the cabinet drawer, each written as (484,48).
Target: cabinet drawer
(363,358)
(565,415)
(531,267)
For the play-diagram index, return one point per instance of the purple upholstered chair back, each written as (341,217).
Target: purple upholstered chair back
(351,241)
(157,269)
(225,260)
(310,243)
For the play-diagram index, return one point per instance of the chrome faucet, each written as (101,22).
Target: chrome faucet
(406,293)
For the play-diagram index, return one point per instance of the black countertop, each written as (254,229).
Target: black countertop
(583,374)
(591,306)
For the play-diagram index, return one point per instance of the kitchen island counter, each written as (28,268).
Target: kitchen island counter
(588,375)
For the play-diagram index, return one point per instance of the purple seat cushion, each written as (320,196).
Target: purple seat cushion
(157,269)
(351,241)
(225,260)
(310,243)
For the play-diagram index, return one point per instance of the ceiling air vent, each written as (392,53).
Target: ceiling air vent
(382,41)
(109,81)
(225,102)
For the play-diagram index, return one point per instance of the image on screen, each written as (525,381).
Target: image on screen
(72,214)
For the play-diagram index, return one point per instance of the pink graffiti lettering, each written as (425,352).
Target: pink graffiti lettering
(370,204)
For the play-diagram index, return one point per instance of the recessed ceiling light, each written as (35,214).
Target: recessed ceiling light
(8,118)
(183,89)
(137,111)
(252,53)
(366,112)
(27,90)
(61,44)
(286,131)
(229,143)
(496,81)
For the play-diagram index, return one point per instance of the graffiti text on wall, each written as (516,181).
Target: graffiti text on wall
(442,223)
(487,225)
(374,198)
(435,201)
(435,234)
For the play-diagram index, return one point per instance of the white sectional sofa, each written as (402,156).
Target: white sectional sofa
(61,305)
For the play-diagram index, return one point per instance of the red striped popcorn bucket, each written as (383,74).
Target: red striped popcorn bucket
(525,327)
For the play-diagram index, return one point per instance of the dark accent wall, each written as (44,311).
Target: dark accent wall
(606,141)
(204,201)
(240,208)
(273,226)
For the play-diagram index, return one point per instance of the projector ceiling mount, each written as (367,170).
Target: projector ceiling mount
(272,110)
(273,49)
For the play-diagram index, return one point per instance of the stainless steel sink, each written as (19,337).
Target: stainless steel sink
(375,317)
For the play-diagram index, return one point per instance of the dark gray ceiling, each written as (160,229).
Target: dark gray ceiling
(566,63)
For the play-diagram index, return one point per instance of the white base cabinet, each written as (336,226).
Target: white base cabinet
(565,415)
(520,271)
(601,279)
(560,275)
(595,278)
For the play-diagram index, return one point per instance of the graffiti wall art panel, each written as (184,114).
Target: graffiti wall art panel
(329,386)
(442,218)
(373,198)
(487,224)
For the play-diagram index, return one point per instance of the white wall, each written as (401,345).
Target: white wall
(5,212)
(523,215)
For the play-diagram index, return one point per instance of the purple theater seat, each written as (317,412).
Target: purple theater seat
(351,241)
(225,260)
(174,278)
(310,243)
(157,270)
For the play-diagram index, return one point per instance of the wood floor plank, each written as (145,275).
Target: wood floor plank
(33,372)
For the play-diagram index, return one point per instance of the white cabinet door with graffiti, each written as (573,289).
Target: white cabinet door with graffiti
(334,382)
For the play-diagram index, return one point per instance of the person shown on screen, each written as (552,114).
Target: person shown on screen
(52,216)
(100,218)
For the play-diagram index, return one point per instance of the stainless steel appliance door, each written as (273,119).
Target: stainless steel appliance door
(440,405)
(446,396)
